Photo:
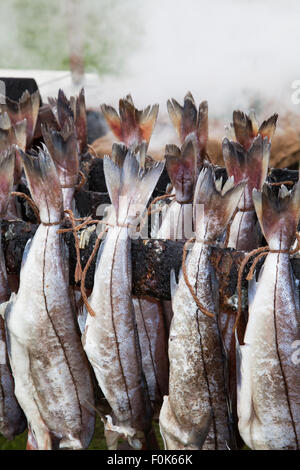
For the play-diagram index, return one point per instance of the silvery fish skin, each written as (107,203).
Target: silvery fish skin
(111,338)
(268,374)
(153,342)
(52,376)
(12,420)
(195,415)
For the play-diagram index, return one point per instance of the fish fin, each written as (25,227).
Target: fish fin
(251,165)
(189,117)
(252,286)
(113,120)
(175,114)
(118,153)
(278,215)
(3,306)
(216,206)
(81,121)
(181,167)
(268,127)
(147,122)
(63,149)
(64,110)
(25,253)
(44,184)
(20,130)
(112,174)
(5,122)
(99,254)
(7,166)
(29,111)
(202,128)
(173,284)
(243,129)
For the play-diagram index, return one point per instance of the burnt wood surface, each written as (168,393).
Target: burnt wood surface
(152,260)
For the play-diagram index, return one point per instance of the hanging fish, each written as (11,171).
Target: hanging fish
(134,127)
(268,376)
(131,126)
(248,159)
(111,338)
(12,419)
(177,224)
(196,414)
(187,120)
(52,376)
(63,149)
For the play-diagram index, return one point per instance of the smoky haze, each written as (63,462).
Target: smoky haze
(234,53)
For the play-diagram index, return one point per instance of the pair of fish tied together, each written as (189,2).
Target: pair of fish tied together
(204,394)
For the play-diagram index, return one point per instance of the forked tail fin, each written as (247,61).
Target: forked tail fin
(63,149)
(131,126)
(73,110)
(187,120)
(130,181)
(246,128)
(278,215)
(26,108)
(44,184)
(213,204)
(182,168)
(251,166)
(7,164)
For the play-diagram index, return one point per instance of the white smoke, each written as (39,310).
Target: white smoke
(234,53)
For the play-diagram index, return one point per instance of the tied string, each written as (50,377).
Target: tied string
(258,254)
(286,183)
(32,204)
(80,275)
(186,279)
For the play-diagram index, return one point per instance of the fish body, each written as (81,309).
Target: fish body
(195,415)
(153,341)
(111,337)
(52,377)
(268,375)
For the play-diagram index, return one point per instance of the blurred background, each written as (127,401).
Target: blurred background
(234,53)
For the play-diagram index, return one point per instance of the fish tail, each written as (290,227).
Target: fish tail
(182,166)
(188,120)
(7,165)
(63,108)
(251,165)
(214,204)
(132,126)
(63,149)
(44,184)
(81,120)
(278,215)
(130,178)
